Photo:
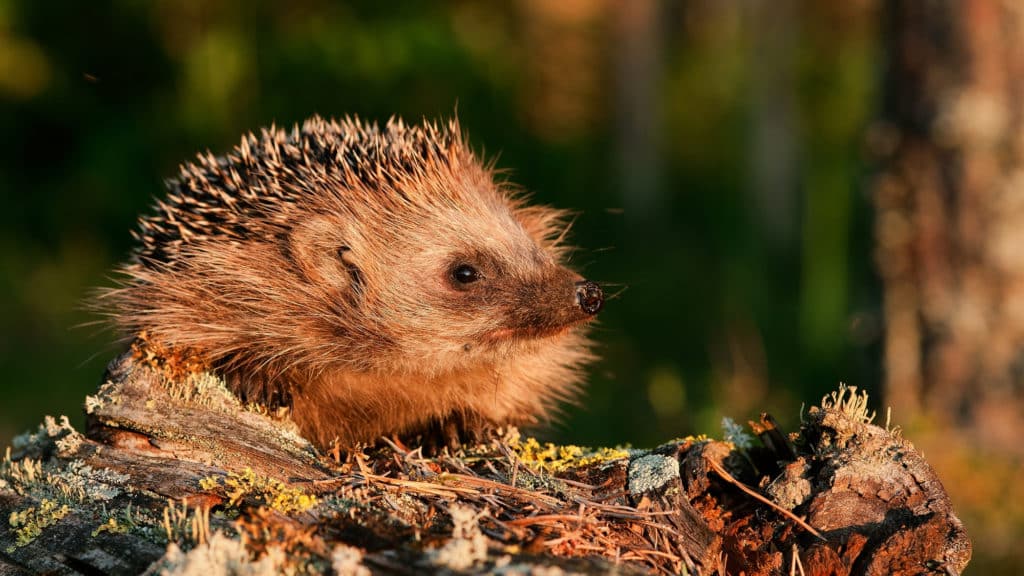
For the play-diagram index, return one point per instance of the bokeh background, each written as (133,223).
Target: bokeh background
(726,160)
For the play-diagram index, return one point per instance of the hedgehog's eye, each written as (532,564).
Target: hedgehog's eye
(465,274)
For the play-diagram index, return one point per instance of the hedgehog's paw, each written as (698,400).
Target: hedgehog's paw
(454,431)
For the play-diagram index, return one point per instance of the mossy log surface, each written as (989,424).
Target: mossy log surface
(173,475)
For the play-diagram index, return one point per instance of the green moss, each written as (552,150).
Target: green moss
(29,523)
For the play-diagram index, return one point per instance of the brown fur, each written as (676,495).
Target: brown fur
(314,269)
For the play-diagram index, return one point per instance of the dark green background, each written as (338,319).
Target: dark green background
(734,216)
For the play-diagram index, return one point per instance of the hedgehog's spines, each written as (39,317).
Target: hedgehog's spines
(233,194)
(237,195)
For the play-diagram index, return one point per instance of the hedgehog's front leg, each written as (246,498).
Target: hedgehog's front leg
(452,431)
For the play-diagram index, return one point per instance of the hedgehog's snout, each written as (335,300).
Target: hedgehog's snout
(589,297)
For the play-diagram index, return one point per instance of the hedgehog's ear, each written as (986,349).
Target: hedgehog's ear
(321,250)
(547,226)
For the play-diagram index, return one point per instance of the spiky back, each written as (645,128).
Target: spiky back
(249,192)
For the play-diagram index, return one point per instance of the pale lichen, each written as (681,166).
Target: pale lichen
(849,402)
(107,394)
(735,434)
(186,526)
(22,473)
(220,555)
(203,389)
(92,483)
(348,561)
(467,546)
(651,472)
(71,483)
(52,433)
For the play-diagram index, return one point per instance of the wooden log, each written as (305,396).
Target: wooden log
(175,475)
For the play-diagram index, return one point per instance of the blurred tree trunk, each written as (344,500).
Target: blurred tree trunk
(950,249)
(950,216)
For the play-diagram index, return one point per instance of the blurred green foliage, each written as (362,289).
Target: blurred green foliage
(736,227)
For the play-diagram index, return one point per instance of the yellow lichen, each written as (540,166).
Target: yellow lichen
(554,458)
(271,492)
(689,439)
(257,408)
(112,526)
(30,522)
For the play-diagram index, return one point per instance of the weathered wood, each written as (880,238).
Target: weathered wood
(197,421)
(174,474)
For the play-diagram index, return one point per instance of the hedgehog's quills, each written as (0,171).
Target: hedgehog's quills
(376,280)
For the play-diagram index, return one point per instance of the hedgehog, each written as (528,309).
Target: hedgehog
(373,281)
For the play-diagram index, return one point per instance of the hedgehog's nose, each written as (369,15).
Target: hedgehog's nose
(589,296)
